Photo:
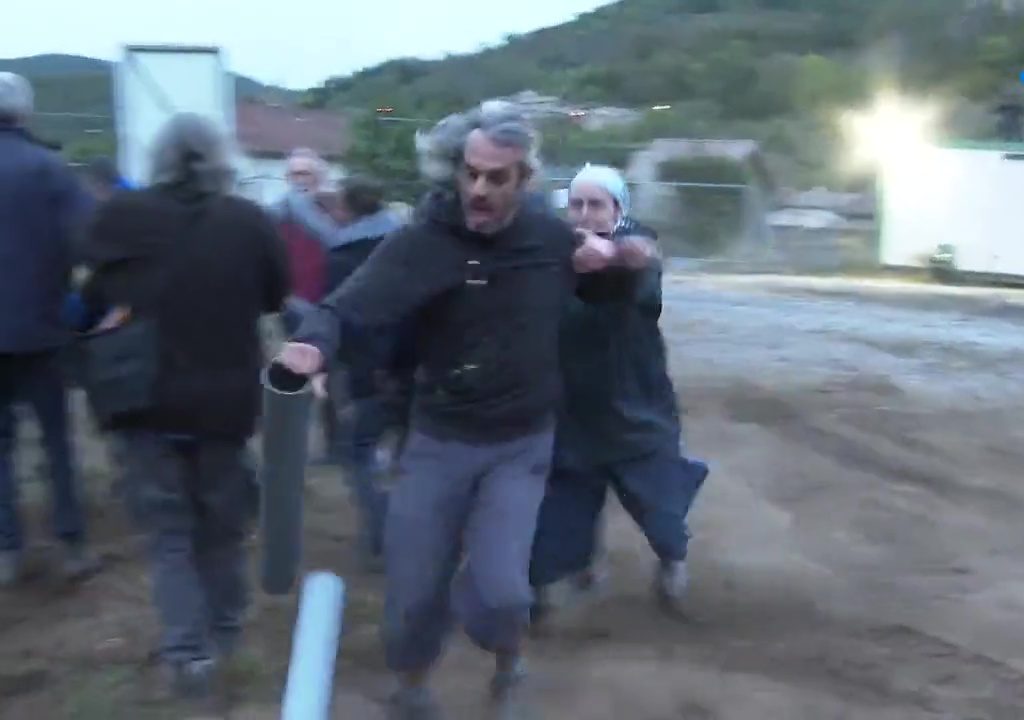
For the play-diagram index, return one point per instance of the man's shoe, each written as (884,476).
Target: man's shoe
(191,680)
(671,583)
(507,694)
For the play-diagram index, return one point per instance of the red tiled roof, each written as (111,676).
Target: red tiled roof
(276,130)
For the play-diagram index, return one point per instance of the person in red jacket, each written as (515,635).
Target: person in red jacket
(307,260)
(306,253)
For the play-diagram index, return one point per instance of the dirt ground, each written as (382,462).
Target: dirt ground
(858,549)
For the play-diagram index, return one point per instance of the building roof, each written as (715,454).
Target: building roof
(275,130)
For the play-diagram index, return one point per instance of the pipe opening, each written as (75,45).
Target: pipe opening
(282,380)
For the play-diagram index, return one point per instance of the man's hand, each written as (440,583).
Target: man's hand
(594,252)
(301,358)
(115,318)
(636,252)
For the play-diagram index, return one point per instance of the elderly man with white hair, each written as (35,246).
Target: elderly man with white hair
(485,276)
(41,205)
(306,175)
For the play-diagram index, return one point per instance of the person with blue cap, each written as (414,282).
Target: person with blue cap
(619,427)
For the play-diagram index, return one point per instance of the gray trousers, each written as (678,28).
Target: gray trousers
(459,531)
(195,498)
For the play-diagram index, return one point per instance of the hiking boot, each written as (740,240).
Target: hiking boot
(191,680)
(188,680)
(79,563)
(11,568)
(670,584)
(414,703)
(507,694)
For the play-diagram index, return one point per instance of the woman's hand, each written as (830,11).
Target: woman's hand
(636,252)
(301,358)
(594,252)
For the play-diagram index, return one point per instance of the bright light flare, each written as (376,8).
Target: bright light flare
(893,131)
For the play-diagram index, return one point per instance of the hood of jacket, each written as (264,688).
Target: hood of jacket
(442,208)
(379,224)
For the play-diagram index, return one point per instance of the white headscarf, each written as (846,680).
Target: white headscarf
(609,179)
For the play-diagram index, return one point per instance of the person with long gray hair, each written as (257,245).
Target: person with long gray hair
(485,278)
(201,266)
(41,209)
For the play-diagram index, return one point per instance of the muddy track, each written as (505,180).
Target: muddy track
(866,445)
(857,551)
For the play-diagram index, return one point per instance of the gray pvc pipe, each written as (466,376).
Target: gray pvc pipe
(310,685)
(287,403)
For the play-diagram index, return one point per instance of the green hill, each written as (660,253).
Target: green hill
(773,70)
(776,71)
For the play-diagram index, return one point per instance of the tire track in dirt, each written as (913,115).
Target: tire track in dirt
(899,459)
(867,666)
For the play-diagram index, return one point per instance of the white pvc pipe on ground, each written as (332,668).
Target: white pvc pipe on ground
(310,685)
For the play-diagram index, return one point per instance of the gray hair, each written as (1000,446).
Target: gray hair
(305,153)
(16,97)
(191,149)
(441,149)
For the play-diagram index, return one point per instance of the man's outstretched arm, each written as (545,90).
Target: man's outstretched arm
(406,270)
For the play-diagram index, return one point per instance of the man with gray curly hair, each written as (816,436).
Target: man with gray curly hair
(485,276)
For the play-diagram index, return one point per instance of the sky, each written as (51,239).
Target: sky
(293,43)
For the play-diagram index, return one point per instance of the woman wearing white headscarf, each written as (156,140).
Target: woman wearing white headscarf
(620,424)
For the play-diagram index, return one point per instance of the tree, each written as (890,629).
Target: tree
(384,148)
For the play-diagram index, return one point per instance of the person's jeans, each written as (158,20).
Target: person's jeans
(460,522)
(196,499)
(37,380)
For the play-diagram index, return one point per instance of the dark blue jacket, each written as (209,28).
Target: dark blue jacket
(42,206)
(618,401)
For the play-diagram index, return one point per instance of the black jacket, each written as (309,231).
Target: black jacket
(486,312)
(368,350)
(206,268)
(619,401)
